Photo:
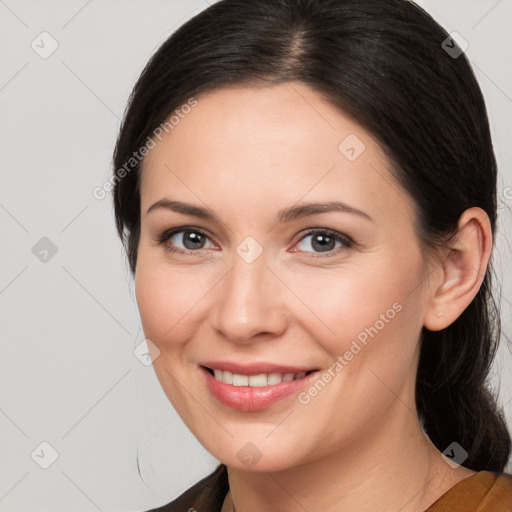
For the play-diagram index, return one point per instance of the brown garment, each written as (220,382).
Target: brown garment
(482,492)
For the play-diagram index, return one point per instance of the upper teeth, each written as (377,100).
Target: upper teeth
(255,381)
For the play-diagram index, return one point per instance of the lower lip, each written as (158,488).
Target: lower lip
(248,398)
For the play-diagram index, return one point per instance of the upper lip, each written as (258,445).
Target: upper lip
(254,368)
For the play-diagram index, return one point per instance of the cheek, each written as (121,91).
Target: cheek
(376,323)
(166,301)
(357,308)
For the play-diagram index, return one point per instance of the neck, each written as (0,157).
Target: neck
(399,469)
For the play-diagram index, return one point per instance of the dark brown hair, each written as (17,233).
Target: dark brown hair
(385,64)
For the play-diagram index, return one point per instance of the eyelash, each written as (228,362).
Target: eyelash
(338,237)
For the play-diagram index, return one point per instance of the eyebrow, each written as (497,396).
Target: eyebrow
(286,215)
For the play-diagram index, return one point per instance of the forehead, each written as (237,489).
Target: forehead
(264,146)
(239,121)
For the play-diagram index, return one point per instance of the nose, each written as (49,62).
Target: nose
(250,304)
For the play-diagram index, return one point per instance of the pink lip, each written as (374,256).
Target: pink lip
(249,399)
(254,368)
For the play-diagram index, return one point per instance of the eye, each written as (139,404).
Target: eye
(192,239)
(324,241)
(185,240)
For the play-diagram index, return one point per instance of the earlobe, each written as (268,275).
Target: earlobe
(463,270)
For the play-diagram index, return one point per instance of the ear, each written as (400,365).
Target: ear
(463,270)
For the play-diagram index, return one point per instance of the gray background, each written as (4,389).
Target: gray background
(69,323)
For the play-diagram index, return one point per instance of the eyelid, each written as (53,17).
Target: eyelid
(345,240)
(163,237)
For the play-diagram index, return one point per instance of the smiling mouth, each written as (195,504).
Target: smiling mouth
(255,380)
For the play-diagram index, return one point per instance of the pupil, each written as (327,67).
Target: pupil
(323,243)
(193,240)
(320,242)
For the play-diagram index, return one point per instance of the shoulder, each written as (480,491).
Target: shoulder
(207,495)
(484,490)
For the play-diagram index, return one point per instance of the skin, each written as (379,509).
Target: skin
(247,153)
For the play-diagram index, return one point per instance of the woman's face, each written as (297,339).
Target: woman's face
(257,272)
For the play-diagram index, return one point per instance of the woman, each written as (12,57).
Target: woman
(307,194)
